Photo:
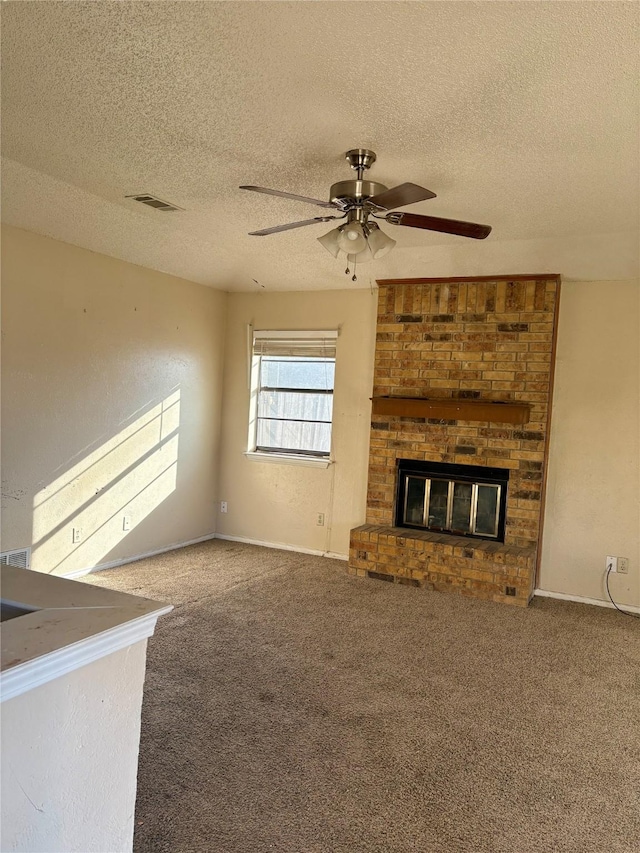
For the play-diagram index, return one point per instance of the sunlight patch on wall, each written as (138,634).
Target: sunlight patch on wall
(83,514)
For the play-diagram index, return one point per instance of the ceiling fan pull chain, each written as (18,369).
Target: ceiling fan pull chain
(354,278)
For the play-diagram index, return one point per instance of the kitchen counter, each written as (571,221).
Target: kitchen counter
(64,624)
(71,683)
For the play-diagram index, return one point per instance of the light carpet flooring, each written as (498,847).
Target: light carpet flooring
(291,707)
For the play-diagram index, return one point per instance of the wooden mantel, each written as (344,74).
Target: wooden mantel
(458,410)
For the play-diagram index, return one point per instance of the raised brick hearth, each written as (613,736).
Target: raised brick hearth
(476,339)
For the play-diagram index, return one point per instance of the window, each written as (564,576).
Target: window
(292,393)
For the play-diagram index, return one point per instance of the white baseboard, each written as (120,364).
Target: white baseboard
(78,573)
(545,593)
(281,546)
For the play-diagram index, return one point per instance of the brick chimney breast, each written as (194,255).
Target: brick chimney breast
(457,345)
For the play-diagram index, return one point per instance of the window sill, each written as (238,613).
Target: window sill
(289,459)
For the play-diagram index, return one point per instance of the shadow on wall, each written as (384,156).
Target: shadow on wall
(90,508)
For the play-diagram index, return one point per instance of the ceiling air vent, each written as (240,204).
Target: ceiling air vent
(153,201)
(20,558)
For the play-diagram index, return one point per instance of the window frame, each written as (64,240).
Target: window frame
(301,345)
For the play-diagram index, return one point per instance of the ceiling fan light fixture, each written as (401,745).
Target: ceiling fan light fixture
(363,257)
(330,241)
(351,238)
(379,242)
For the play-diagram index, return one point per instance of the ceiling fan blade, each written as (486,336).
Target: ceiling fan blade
(291,195)
(435,223)
(401,195)
(290,225)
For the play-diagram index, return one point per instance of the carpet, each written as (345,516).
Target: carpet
(291,707)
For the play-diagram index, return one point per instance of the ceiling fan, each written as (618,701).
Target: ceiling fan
(360,202)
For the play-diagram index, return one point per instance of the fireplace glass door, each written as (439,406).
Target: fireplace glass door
(451,506)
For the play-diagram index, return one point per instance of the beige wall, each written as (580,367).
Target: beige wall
(279,503)
(70,759)
(112,398)
(593,498)
(111,393)
(593,494)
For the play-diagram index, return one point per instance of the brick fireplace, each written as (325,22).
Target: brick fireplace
(463,377)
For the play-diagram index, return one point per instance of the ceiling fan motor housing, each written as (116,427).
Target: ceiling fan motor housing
(355,191)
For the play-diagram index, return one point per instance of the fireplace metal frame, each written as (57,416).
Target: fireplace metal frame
(473,512)
(442,472)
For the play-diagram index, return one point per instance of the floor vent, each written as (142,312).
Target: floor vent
(380,576)
(21,558)
(153,201)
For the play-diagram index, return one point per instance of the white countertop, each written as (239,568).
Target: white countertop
(70,624)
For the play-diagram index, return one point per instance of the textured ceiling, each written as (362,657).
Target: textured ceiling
(523,115)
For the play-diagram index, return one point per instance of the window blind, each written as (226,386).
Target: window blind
(290,344)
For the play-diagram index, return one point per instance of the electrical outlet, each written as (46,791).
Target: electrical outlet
(126,522)
(623,565)
(611,565)
(223,506)
(77,535)
(320,519)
